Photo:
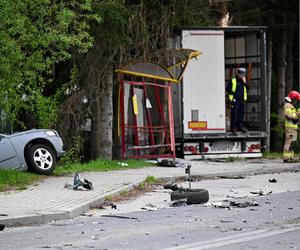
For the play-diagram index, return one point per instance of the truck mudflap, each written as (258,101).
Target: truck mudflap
(248,148)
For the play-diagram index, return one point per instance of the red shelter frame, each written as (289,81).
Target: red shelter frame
(150,134)
(152,149)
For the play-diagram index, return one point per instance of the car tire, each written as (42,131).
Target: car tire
(193,196)
(40,159)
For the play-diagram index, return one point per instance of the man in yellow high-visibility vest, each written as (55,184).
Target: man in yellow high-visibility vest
(237,89)
(292,117)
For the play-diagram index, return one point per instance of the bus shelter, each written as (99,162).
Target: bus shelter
(145,110)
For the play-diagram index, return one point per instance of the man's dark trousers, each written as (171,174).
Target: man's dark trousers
(237,114)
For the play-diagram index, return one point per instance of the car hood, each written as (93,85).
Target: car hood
(28,132)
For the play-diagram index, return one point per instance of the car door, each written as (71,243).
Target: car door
(8,156)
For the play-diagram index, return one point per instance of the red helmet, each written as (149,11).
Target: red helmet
(294,95)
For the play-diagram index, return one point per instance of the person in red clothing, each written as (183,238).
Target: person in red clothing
(292,117)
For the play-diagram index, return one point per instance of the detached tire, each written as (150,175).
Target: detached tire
(40,159)
(193,196)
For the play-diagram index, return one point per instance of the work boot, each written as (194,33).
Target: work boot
(287,160)
(291,160)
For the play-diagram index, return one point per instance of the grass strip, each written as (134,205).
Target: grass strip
(13,179)
(101,165)
(272,155)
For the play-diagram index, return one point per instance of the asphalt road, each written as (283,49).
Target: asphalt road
(273,224)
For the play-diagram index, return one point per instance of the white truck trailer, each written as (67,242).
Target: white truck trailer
(201,107)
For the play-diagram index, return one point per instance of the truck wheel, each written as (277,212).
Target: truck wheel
(40,159)
(193,196)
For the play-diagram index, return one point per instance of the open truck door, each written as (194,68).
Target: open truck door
(201,113)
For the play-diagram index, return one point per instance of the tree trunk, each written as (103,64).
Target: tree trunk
(290,61)
(95,128)
(281,73)
(269,86)
(106,140)
(101,139)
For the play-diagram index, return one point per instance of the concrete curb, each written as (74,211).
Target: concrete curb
(43,218)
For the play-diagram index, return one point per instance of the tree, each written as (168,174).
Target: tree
(34,37)
(129,31)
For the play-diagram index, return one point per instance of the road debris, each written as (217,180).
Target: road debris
(179,203)
(219,205)
(273,180)
(231,177)
(123,164)
(79,184)
(233,204)
(227,221)
(95,237)
(2,227)
(172,186)
(119,216)
(243,204)
(236,197)
(166,162)
(149,207)
(261,192)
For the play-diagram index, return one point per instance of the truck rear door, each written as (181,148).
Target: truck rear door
(203,83)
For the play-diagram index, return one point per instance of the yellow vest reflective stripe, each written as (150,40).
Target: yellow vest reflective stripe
(288,154)
(233,88)
(289,122)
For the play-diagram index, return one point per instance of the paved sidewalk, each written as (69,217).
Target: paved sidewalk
(49,200)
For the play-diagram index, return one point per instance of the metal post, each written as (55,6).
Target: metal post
(188,171)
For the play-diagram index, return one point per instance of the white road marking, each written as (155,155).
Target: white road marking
(237,238)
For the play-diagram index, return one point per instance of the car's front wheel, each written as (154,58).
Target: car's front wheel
(40,159)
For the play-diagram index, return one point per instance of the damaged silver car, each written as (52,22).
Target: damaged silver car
(36,150)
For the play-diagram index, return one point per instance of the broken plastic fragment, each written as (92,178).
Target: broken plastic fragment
(79,184)
(179,203)
(166,162)
(273,180)
(150,207)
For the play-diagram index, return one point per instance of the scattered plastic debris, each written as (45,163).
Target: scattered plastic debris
(119,216)
(273,180)
(236,197)
(231,204)
(261,192)
(227,221)
(231,177)
(150,207)
(220,205)
(123,164)
(95,237)
(79,184)
(166,162)
(172,186)
(243,204)
(179,203)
